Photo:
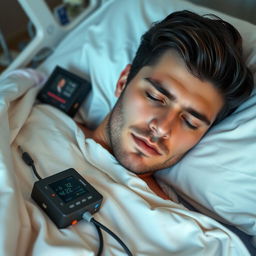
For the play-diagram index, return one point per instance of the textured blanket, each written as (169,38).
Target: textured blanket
(148,224)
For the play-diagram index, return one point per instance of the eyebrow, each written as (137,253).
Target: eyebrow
(198,115)
(159,87)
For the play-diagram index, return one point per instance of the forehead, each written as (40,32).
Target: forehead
(172,74)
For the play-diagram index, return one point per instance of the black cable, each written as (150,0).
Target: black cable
(88,217)
(113,235)
(35,171)
(101,240)
(29,161)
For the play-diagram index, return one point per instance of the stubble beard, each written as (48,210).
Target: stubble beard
(114,128)
(116,123)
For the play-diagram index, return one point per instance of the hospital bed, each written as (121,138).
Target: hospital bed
(211,208)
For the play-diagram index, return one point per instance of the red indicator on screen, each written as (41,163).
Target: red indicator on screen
(56,97)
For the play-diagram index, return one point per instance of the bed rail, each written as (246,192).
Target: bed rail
(48,31)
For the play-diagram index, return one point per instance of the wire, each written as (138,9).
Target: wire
(29,161)
(88,217)
(101,240)
(6,51)
(31,29)
(113,235)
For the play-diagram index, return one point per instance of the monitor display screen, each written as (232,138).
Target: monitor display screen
(69,188)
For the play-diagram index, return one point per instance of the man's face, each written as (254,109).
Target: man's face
(161,114)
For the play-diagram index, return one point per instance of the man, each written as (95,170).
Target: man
(187,75)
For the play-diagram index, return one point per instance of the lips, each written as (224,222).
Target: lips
(147,148)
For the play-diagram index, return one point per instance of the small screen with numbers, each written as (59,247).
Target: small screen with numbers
(69,188)
(62,88)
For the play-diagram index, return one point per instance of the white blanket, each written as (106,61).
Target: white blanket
(148,225)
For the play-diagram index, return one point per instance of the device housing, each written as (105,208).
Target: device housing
(65,196)
(65,91)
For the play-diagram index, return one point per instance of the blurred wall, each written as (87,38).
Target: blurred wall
(243,9)
(13,20)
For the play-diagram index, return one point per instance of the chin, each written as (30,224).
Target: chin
(135,164)
(133,167)
(130,162)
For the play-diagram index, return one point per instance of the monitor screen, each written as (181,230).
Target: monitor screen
(69,188)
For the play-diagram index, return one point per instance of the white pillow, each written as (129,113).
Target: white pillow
(218,174)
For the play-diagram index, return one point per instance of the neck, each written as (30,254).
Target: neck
(99,134)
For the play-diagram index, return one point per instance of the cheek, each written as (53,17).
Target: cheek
(184,141)
(135,108)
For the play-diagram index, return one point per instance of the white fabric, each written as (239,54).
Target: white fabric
(219,174)
(148,224)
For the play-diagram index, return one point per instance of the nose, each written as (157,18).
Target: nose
(162,125)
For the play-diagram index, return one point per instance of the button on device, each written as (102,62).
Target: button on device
(74,222)
(89,197)
(63,200)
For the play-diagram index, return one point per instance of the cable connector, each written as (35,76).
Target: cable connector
(26,157)
(29,161)
(87,216)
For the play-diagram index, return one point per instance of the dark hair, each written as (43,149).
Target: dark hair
(211,49)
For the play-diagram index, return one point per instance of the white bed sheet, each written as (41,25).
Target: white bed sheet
(148,224)
(101,47)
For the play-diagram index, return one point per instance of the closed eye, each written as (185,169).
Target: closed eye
(190,125)
(151,97)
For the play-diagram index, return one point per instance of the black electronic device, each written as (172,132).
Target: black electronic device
(65,91)
(65,197)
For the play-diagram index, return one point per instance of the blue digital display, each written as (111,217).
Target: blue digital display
(69,188)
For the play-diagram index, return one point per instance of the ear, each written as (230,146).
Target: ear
(122,80)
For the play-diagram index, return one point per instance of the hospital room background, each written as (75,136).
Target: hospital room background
(211,207)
